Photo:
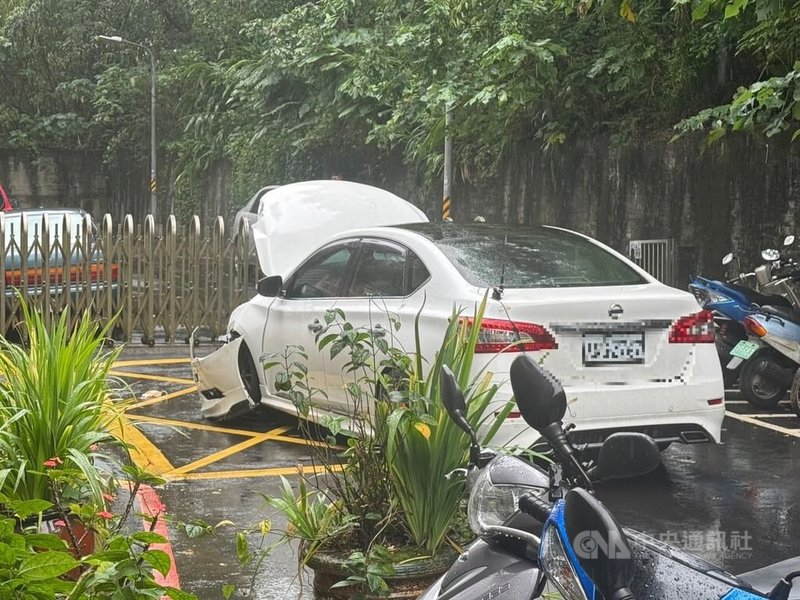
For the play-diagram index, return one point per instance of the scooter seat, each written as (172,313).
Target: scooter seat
(755,297)
(764,579)
(784,313)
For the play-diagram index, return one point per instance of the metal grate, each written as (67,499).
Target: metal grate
(657,257)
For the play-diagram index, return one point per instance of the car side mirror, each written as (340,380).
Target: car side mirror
(626,454)
(269,287)
(599,543)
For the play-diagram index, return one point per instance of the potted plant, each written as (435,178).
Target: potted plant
(383,518)
(53,399)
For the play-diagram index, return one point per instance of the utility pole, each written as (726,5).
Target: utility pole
(448,165)
(153,182)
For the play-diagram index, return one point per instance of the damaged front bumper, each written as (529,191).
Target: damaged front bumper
(219,381)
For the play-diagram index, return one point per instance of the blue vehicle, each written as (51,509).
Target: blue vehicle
(564,537)
(731,303)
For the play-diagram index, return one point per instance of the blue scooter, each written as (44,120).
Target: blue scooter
(579,549)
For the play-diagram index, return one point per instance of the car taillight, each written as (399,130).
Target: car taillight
(753,327)
(498,335)
(697,328)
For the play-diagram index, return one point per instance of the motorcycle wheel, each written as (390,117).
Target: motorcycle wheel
(758,390)
(794,394)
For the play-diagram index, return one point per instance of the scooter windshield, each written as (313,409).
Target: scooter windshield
(662,572)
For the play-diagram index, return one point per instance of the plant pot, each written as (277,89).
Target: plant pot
(81,543)
(411,578)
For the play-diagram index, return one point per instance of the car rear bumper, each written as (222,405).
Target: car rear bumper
(666,412)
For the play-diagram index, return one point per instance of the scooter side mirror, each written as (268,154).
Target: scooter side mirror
(540,397)
(788,241)
(456,406)
(626,454)
(453,399)
(727,259)
(600,544)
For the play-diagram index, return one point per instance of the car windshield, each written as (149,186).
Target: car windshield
(528,257)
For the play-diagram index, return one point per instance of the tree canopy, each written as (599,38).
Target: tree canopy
(276,87)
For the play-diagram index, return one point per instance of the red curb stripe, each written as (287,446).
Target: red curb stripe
(151,505)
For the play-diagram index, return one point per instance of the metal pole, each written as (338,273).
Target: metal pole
(448,165)
(153,182)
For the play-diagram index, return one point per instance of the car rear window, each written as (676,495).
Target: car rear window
(527,257)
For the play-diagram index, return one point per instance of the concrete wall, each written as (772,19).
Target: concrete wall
(742,194)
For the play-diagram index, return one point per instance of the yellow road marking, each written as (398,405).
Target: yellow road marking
(192,425)
(154,361)
(764,424)
(149,377)
(144,453)
(301,441)
(272,472)
(277,430)
(222,454)
(164,398)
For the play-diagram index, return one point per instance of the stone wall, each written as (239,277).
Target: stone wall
(741,194)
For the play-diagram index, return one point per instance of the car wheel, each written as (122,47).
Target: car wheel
(794,394)
(758,390)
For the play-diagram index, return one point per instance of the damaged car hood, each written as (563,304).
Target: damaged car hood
(295,219)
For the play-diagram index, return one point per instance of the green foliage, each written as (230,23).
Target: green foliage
(53,394)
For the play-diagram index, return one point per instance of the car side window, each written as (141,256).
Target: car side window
(322,275)
(417,274)
(379,271)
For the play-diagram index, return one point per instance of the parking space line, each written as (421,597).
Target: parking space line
(299,441)
(272,472)
(152,361)
(164,398)
(193,425)
(221,455)
(764,424)
(773,416)
(149,377)
(144,453)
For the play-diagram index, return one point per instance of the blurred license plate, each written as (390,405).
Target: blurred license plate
(613,348)
(745,349)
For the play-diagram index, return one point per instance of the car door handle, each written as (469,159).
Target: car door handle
(378,331)
(315,327)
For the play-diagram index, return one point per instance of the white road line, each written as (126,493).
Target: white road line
(765,425)
(777,416)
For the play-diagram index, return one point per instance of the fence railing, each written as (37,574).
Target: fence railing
(162,281)
(657,257)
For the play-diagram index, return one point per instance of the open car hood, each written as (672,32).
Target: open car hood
(295,219)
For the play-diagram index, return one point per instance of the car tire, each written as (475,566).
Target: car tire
(758,390)
(794,394)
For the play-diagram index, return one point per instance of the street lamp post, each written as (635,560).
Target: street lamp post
(153,184)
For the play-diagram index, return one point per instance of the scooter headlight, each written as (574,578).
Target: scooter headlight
(491,504)
(558,567)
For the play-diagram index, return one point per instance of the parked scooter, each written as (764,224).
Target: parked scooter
(770,357)
(732,301)
(619,564)
(504,559)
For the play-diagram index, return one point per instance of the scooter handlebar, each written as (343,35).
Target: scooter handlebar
(534,506)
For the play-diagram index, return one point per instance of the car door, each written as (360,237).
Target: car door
(297,315)
(380,293)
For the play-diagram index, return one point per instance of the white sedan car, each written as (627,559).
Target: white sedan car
(632,353)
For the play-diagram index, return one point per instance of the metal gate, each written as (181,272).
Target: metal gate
(657,257)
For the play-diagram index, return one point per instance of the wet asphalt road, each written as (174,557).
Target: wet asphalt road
(734,504)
